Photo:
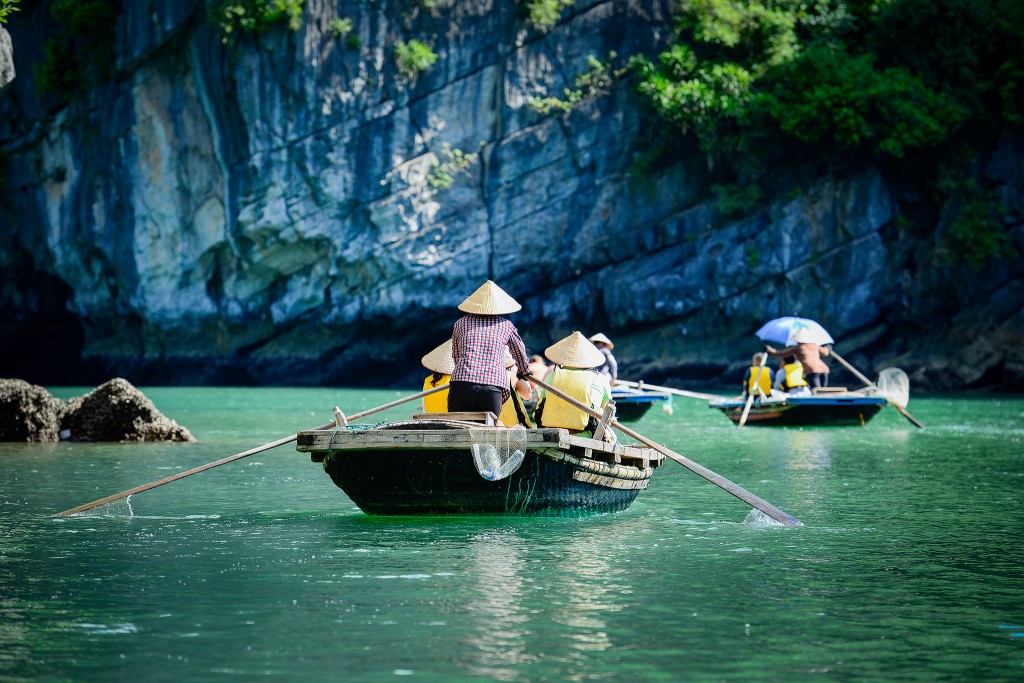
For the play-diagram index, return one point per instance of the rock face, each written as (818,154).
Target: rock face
(117,411)
(6,58)
(291,208)
(113,411)
(28,412)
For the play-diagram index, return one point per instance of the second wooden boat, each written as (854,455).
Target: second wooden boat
(425,466)
(838,408)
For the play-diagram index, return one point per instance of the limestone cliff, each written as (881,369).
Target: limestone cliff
(290,207)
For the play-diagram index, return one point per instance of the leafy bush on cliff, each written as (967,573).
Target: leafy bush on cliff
(79,54)
(6,7)
(764,83)
(255,16)
(413,57)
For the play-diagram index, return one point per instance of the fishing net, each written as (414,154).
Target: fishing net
(498,452)
(894,386)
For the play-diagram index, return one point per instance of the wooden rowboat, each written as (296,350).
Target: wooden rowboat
(833,408)
(425,466)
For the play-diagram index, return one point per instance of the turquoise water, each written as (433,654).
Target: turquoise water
(909,567)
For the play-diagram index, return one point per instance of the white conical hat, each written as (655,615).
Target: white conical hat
(509,360)
(440,359)
(575,352)
(489,299)
(599,337)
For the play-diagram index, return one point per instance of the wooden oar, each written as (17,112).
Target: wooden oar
(237,456)
(716,479)
(750,391)
(667,390)
(867,382)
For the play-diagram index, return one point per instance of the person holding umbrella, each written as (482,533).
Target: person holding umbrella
(809,353)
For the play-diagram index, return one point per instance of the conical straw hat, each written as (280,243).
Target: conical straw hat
(489,299)
(599,337)
(509,360)
(575,352)
(440,359)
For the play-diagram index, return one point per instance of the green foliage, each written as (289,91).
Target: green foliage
(882,78)
(255,16)
(340,27)
(79,53)
(413,57)
(843,102)
(442,176)
(977,235)
(735,200)
(6,7)
(762,84)
(595,82)
(543,15)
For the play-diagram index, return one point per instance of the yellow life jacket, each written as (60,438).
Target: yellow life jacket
(763,380)
(794,376)
(557,413)
(435,403)
(509,417)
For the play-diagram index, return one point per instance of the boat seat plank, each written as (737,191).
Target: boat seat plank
(438,439)
(488,418)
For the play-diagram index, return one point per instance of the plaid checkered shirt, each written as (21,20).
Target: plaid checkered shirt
(478,346)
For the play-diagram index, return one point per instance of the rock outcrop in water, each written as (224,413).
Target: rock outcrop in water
(28,412)
(292,208)
(117,411)
(113,411)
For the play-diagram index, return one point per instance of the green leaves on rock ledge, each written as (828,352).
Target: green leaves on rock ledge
(248,16)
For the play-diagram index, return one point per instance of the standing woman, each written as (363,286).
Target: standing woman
(480,381)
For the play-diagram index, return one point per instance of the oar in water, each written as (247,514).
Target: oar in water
(867,382)
(716,479)
(667,390)
(750,391)
(237,456)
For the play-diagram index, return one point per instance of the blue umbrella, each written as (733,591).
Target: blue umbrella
(792,330)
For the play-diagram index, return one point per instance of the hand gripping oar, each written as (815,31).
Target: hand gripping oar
(750,391)
(238,456)
(716,479)
(867,382)
(667,390)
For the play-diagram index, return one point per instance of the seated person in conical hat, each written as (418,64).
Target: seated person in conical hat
(513,412)
(610,368)
(758,378)
(480,339)
(574,358)
(440,363)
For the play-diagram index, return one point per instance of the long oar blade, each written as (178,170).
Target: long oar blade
(237,456)
(900,409)
(716,479)
(667,390)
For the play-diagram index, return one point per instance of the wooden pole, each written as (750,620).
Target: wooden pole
(237,456)
(750,391)
(716,479)
(862,378)
(668,390)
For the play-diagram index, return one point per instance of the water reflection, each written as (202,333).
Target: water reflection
(499,621)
